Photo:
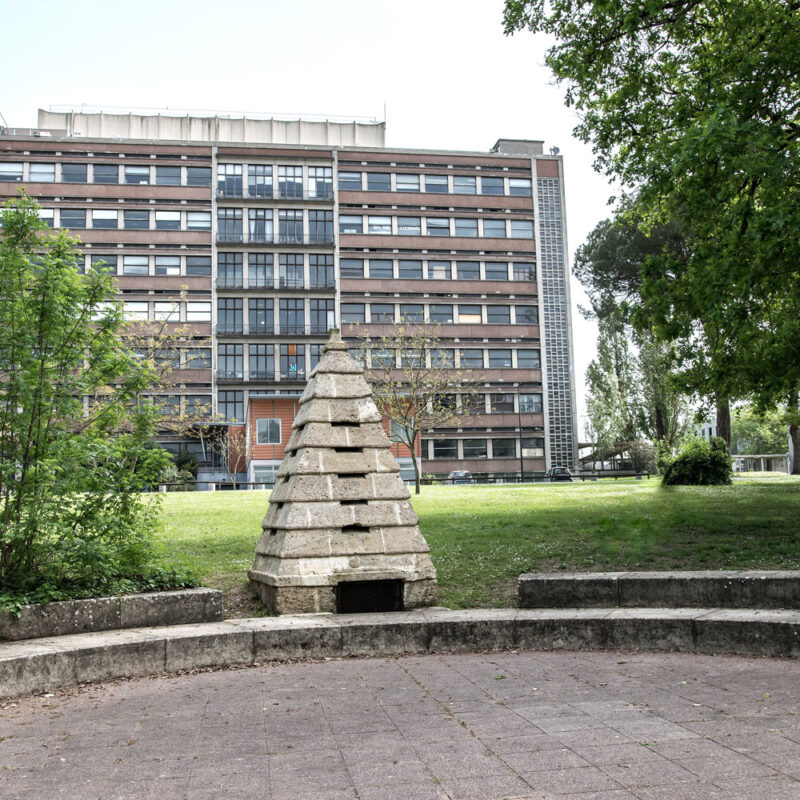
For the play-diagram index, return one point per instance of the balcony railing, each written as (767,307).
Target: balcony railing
(230,375)
(280,238)
(307,329)
(323,194)
(262,375)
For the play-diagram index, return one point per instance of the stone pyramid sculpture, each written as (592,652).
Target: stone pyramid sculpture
(340,533)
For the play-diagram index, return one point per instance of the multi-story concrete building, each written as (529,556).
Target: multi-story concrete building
(262,235)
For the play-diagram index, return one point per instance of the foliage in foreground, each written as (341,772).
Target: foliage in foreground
(700,463)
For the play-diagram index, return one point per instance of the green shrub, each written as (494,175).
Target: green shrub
(700,463)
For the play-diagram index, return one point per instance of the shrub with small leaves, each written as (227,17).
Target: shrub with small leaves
(700,463)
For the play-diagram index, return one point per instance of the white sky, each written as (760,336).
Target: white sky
(447,75)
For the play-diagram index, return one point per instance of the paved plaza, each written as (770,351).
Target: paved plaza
(605,726)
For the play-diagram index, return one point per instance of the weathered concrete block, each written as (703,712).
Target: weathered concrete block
(355,410)
(61,618)
(572,590)
(294,637)
(420,593)
(340,362)
(478,629)
(383,634)
(180,607)
(560,629)
(330,385)
(117,654)
(295,599)
(208,645)
(747,632)
(650,629)
(34,667)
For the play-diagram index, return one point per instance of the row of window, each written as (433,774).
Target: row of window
(469,227)
(179,357)
(151,265)
(483,448)
(464,358)
(291,181)
(70,172)
(294,226)
(129,219)
(292,272)
(433,184)
(295,315)
(443,313)
(436,269)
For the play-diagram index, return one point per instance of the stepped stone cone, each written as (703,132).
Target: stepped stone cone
(339,512)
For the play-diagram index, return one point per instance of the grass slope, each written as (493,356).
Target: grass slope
(483,537)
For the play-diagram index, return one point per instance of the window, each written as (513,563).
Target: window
(521,229)
(530,403)
(437,226)
(259,221)
(104,263)
(379,182)
(47,215)
(533,448)
(439,270)
(466,227)
(504,448)
(436,184)
(74,173)
(412,359)
(380,268)
(198,265)
(443,358)
(321,271)
(166,176)
(106,173)
(198,220)
(496,271)
(320,227)
(290,271)
(168,220)
(136,220)
(382,358)
(73,218)
(229,180)
(292,315)
(136,174)
(229,224)
(262,362)
(293,362)
(135,265)
(290,182)
(445,448)
(230,361)
(526,315)
(494,228)
(351,224)
(168,265)
(528,359)
(474,448)
(229,315)
(231,406)
(350,181)
(409,226)
(198,312)
(314,354)
(198,176)
(10,171)
(501,403)
(167,311)
(381,312)
(498,315)
(321,315)
(519,187)
(351,267)
(265,475)
(135,310)
(259,271)
(380,225)
(104,218)
(407,183)
(320,182)
(499,359)
(198,358)
(524,272)
(411,312)
(259,180)
(357,354)
(229,271)
(167,404)
(42,173)
(471,359)
(260,316)
(290,226)
(468,270)
(441,313)
(410,270)
(492,186)
(464,184)
(353,312)
(198,404)
(470,315)
(268,431)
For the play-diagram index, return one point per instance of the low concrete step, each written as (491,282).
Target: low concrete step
(730,589)
(46,664)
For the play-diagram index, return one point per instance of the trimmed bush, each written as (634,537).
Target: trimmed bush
(700,463)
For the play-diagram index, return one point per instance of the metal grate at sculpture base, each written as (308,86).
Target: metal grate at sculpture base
(339,512)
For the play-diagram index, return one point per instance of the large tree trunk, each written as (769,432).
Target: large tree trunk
(661,425)
(794,433)
(723,409)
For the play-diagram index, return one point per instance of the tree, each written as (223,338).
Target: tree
(693,106)
(72,515)
(424,393)
(754,432)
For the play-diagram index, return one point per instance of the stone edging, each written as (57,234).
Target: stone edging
(731,589)
(110,613)
(46,664)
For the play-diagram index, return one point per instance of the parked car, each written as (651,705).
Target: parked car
(558,474)
(460,476)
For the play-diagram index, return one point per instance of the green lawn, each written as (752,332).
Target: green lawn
(483,537)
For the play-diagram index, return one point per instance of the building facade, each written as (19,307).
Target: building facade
(261,247)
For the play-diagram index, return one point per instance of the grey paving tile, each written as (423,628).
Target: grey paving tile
(571,781)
